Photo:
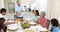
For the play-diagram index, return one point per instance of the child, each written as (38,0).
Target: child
(2,26)
(55,24)
(36,16)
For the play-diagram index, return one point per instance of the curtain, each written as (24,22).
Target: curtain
(54,9)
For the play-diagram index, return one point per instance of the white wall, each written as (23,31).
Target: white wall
(49,9)
(41,4)
(1,4)
(55,9)
(25,2)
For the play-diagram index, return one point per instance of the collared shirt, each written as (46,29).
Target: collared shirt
(19,9)
(55,29)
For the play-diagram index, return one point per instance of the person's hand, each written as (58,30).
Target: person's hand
(16,14)
(22,11)
(5,23)
(19,13)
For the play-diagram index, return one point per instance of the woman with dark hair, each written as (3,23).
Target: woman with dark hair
(55,24)
(36,15)
(2,26)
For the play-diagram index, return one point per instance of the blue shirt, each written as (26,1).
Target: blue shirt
(19,9)
(55,29)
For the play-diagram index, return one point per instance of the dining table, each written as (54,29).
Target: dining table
(18,28)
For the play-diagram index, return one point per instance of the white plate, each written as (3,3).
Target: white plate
(32,23)
(12,27)
(38,28)
(11,21)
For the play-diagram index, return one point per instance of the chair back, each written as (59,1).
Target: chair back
(48,23)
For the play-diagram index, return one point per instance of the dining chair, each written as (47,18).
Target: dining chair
(48,23)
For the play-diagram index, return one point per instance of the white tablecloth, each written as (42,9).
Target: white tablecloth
(36,28)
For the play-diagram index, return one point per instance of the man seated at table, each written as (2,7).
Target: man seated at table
(3,13)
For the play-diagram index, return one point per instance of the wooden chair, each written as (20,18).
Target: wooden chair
(48,22)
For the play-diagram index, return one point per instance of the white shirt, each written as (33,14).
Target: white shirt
(19,9)
(2,16)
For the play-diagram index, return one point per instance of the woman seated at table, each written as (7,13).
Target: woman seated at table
(55,24)
(2,26)
(42,20)
(36,15)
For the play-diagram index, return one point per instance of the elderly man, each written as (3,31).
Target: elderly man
(19,9)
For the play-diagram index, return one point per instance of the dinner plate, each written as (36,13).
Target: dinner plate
(32,23)
(38,28)
(11,21)
(28,19)
(12,27)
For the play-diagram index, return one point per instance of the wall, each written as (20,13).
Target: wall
(1,4)
(41,5)
(44,5)
(55,9)
(49,9)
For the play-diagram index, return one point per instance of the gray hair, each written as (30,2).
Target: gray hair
(18,1)
(43,13)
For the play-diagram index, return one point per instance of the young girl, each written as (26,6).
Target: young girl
(2,26)
(36,16)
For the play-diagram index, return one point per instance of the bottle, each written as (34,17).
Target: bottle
(16,21)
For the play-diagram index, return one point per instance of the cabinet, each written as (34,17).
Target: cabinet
(10,6)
